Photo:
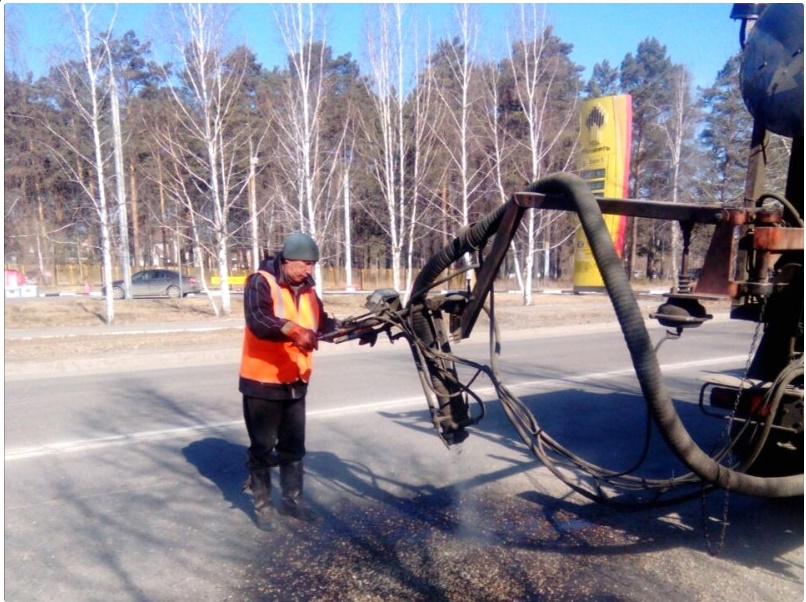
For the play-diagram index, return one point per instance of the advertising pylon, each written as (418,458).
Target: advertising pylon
(606,137)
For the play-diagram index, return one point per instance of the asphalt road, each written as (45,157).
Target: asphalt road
(126,485)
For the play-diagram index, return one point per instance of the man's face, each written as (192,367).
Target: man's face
(296,270)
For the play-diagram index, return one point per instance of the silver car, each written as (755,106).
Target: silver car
(157,283)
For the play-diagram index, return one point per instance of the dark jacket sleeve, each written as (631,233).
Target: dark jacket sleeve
(258,310)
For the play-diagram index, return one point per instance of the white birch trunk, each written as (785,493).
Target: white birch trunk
(93,116)
(348,246)
(677,125)
(120,180)
(530,258)
(253,214)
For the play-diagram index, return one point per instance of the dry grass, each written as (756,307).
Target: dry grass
(82,311)
(73,324)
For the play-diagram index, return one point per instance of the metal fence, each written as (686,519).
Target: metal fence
(89,277)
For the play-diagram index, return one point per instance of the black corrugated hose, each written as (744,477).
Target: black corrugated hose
(632,325)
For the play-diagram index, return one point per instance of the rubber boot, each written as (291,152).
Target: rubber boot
(291,484)
(260,484)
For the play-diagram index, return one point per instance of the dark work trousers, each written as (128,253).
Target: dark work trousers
(276,431)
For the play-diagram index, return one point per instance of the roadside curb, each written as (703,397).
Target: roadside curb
(132,361)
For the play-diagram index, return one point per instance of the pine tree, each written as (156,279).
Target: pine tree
(604,81)
(646,77)
(725,139)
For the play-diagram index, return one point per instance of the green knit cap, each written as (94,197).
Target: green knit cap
(301,247)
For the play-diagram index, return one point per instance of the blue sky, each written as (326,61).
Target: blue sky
(701,36)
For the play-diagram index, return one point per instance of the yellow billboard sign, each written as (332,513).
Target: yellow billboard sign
(604,163)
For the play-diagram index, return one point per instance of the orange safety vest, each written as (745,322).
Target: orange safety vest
(281,362)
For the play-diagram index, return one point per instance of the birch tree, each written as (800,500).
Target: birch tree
(678,129)
(136,81)
(120,180)
(86,94)
(309,162)
(500,150)
(540,73)
(460,98)
(421,157)
(386,135)
(397,136)
(215,156)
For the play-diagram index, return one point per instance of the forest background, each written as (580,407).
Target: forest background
(114,162)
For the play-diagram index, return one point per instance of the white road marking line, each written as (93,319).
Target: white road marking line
(116,440)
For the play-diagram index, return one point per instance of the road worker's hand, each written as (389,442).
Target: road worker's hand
(304,338)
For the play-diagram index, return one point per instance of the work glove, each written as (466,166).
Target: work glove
(333,324)
(304,338)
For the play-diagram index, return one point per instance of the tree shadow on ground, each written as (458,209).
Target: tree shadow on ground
(395,538)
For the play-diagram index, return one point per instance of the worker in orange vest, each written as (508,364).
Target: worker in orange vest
(284,317)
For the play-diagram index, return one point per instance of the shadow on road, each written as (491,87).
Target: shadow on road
(386,537)
(222,462)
